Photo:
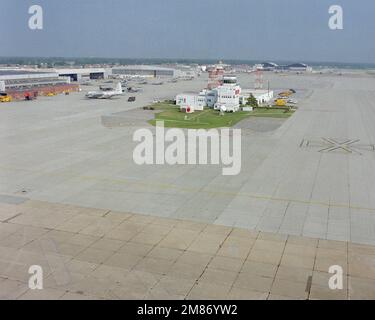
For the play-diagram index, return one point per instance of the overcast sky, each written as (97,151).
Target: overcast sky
(227,29)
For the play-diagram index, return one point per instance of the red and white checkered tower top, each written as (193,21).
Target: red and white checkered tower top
(215,76)
(258,83)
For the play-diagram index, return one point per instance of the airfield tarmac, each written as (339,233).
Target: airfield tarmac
(311,175)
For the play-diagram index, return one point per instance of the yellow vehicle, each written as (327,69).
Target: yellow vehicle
(280,102)
(4,97)
(50,94)
(285,94)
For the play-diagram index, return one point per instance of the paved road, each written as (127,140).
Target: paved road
(101,254)
(56,149)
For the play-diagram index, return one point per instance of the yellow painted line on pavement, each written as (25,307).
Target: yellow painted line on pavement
(131,182)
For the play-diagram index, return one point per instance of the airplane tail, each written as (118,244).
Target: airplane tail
(119,88)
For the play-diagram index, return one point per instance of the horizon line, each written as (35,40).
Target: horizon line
(186,58)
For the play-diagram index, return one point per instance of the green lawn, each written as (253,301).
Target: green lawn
(209,118)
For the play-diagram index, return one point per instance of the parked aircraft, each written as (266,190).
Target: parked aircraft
(103,88)
(105,94)
(134,89)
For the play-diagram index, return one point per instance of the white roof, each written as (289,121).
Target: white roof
(191,93)
(256,92)
(15,74)
(142,67)
(78,70)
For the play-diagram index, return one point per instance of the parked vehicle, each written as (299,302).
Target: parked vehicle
(4,97)
(30,95)
(280,102)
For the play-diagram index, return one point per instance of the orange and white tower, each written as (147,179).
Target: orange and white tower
(215,76)
(258,83)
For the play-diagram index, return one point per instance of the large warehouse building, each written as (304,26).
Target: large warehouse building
(299,67)
(151,71)
(18,82)
(78,74)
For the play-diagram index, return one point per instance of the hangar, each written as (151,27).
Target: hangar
(148,71)
(271,66)
(78,74)
(18,82)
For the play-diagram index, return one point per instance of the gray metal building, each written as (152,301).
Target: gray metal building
(147,71)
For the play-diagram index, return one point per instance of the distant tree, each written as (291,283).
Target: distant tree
(252,101)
